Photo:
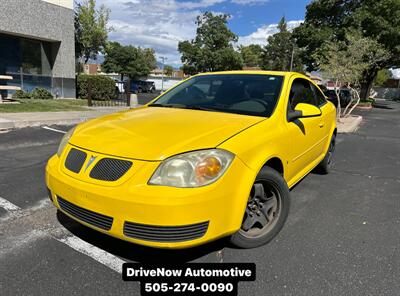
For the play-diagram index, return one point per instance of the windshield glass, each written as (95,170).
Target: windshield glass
(234,93)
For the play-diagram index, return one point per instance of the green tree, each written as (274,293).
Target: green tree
(382,76)
(91,30)
(330,20)
(212,49)
(346,61)
(251,55)
(278,52)
(116,58)
(130,61)
(168,70)
(150,57)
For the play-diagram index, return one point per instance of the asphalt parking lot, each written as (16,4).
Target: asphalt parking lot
(342,236)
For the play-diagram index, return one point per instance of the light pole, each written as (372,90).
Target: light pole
(294,41)
(291,60)
(162,73)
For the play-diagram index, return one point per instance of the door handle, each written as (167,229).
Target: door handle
(321,124)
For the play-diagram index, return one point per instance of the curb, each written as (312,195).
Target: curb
(6,124)
(22,124)
(364,107)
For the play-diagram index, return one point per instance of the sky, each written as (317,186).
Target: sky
(161,24)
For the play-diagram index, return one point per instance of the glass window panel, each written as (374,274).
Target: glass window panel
(31,56)
(10,59)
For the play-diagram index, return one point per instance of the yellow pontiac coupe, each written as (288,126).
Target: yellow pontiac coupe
(212,157)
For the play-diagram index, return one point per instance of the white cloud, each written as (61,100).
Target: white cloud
(249,2)
(262,33)
(161,24)
(201,4)
(396,73)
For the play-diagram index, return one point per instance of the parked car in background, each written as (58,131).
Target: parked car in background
(344,94)
(144,86)
(119,87)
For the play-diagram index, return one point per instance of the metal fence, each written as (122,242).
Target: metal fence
(120,98)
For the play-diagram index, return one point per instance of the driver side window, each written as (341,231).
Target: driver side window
(301,92)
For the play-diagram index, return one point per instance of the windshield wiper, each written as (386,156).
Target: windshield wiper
(195,107)
(167,105)
(181,106)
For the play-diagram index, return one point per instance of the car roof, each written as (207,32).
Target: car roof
(254,72)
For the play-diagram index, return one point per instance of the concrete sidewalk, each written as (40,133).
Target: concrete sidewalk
(25,119)
(349,124)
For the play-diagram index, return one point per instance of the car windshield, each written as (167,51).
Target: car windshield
(247,94)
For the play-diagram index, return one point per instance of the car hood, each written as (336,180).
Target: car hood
(155,133)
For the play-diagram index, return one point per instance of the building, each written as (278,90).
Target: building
(37,45)
(91,69)
(246,68)
(318,80)
(175,73)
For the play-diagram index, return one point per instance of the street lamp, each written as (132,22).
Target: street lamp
(162,73)
(293,48)
(291,60)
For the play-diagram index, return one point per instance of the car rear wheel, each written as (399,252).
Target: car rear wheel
(266,211)
(325,165)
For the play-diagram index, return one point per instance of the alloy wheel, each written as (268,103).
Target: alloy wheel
(331,150)
(262,211)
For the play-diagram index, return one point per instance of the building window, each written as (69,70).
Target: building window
(32,56)
(28,61)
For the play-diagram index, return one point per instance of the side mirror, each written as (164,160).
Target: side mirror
(303,110)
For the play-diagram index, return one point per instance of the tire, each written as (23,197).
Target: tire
(272,184)
(324,166)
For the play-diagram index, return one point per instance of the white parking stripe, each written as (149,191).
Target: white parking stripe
(8,206)
(54,130)
(96,253)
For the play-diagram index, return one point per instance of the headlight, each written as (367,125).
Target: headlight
(192,169)
(64,141)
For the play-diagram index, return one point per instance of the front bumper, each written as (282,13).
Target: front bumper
(220,206)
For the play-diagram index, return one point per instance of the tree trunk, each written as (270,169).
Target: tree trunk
(366,84)
(355,105)
(339,107)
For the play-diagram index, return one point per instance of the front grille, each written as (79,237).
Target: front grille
(92,218)
(110,169)
(165,233)
(75,160)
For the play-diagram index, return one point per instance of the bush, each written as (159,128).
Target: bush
(369,100)
(41,94)
(102,87)
(20,94)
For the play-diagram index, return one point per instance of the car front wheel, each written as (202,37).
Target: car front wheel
(266,211)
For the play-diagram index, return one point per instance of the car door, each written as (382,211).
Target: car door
(326,118)
(305,134)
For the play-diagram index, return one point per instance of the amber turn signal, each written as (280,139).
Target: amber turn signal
(208,168)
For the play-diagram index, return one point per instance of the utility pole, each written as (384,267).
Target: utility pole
(291,60)
(162,73)
(293,48)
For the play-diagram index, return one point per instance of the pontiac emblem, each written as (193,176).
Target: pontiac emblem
(92,158)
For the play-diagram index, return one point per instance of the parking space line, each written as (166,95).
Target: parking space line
(96,253)
(54,130)
(8,206)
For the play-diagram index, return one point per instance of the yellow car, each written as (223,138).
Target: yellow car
(212,157)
